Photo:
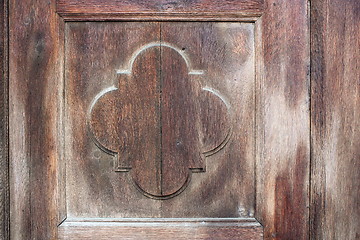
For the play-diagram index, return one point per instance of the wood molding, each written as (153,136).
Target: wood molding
(4,147)
(164,10)
(140,228)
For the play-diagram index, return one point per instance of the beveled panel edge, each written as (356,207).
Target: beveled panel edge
(97,10)
(159,16)
(161,228)
(166,221)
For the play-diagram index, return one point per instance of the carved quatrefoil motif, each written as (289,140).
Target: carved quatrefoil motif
(161,121)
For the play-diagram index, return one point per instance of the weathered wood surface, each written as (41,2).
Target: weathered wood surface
(159,10)
(4,161)
(335,118)
(35,67)
(94,53)
(228,228)
(283,120)
(207,114)
(225,52)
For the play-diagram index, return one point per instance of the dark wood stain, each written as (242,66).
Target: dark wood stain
(289,196)
(4,131)
(318,118)
(335,174)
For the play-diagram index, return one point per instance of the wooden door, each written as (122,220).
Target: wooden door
(159,119)
(152,130)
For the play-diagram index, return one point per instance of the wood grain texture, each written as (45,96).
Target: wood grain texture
(159,121)
(191,118)
(228,228)
(335,105)
(127,120)
(159,10)
(225,52)
(195,113)
(283,120)
(36,67)
(4,113)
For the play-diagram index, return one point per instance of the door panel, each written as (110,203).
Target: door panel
(160,120)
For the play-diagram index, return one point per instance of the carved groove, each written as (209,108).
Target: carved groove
(228,135)
(108,96)
(94,101)
(128,70)
(166,196)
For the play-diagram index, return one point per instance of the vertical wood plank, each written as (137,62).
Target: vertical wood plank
(36,67)
(283,120)
(124,120)
(127,120)
(335,114)
(4,161)
(225,52)
(179,133)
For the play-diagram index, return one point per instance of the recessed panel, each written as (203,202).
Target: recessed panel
(159,119)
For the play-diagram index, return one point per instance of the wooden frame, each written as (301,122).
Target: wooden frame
(203,10)
(41,29)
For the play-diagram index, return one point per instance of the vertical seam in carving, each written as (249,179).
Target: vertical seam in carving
(311,162)
(160,116)
(159,91)
(128,69)
(325,45)
(311,129)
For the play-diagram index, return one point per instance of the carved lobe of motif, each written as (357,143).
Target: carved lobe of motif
(159,122)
